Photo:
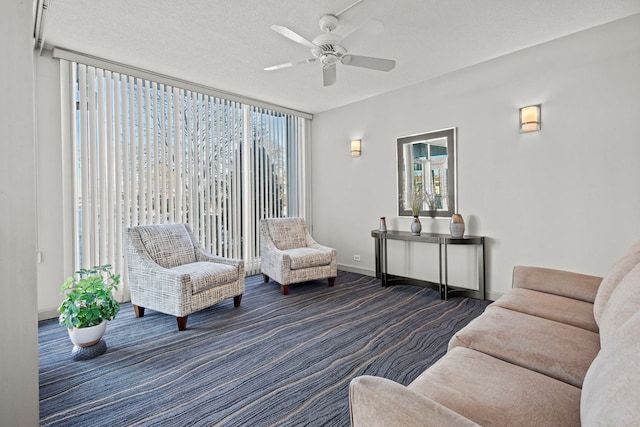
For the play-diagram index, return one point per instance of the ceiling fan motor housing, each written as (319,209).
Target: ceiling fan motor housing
(328,47)
(328,23)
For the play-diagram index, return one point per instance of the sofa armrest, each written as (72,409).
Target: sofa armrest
(376,401)
(564,283)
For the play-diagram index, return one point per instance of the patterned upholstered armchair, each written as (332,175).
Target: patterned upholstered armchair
(170,272)
(290,255)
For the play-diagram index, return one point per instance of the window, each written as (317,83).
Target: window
(152,153)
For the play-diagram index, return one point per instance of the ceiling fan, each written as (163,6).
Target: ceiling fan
(328,49)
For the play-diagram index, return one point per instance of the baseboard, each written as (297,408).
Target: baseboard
(352,269)
(492,296)
(47,314)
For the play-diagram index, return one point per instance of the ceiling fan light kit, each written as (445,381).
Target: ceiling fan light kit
(326,48)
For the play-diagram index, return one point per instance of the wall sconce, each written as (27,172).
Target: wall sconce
(530,118)
(356,147)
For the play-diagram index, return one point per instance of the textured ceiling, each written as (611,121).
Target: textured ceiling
(226,44)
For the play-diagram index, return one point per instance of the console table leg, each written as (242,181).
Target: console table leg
(383,242)
(446,274)
(481,270)
(440,288)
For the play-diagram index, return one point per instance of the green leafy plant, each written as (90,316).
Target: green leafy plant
(89,297)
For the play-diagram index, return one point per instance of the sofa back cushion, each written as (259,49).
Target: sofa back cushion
(623,304)
(611,388)
(613,277)
(287,233)
(168,245)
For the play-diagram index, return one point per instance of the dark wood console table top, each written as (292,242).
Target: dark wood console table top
(442,240)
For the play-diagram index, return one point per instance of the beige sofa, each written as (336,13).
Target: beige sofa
(559,349)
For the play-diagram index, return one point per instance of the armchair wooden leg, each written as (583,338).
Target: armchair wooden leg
(182,323)
(285,289)
(236,300)
(332,281)
(139,311)
(265,278)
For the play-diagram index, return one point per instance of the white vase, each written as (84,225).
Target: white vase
(416,227)
(85,337)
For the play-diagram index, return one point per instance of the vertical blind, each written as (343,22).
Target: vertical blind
(151,153)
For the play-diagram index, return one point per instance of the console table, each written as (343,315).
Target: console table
(442,240)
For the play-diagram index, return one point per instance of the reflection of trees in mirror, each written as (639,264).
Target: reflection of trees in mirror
(431,199)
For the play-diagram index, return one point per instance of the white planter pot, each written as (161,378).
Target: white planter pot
(84,337)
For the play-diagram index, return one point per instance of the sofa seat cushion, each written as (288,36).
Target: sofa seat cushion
(558,282)
(380,402)
(611,390)
(623,303)
(549,306)
(168,245)
(490,391)
(610,281)
(561,351)
(207,275)
(308,257)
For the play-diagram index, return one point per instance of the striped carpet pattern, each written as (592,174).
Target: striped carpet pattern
(274,361)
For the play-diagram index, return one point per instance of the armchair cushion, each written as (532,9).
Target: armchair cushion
(168,246)
(207,275)
(308,257)
(288,233)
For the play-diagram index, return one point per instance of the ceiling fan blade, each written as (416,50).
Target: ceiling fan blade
(284,31)
(290,64)
(369,62)
(368,30)
(328,75)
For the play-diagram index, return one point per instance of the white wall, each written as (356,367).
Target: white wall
(18,243)
(566,197)
(540,198)
(52,243)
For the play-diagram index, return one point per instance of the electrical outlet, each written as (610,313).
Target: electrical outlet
(356,257)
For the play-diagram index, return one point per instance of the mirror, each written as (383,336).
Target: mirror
(427,174)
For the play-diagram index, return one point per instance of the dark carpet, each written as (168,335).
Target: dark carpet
(274,361)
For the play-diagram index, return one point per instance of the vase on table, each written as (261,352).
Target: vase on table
(416,226)
(456,226)
(383,225)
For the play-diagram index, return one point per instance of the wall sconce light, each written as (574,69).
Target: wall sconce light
(356,147)
(530,118)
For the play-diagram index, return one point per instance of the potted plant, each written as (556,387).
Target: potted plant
(417,199)
(88,304)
